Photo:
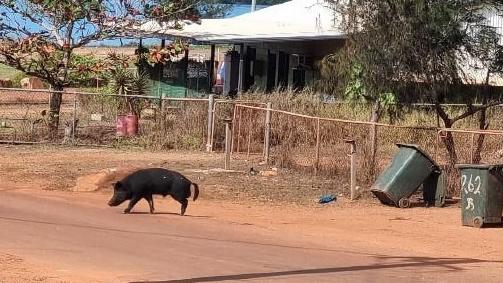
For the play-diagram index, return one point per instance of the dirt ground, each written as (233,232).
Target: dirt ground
(283,205)
(57,168)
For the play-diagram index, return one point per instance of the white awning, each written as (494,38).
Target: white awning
(293,20)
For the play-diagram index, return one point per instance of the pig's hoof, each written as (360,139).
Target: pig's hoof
(127,211)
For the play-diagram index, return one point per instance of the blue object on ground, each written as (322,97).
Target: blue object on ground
(327,199)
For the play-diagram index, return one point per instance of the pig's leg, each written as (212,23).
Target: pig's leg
(184,203)
(132,203)
(150,203)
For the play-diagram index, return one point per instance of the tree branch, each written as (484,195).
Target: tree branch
(472,110)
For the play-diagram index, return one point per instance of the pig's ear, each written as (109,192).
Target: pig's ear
(118,185)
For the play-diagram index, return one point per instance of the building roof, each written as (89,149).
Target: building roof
(291,21)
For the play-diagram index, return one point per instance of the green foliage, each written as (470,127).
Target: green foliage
(16,79)
(83,70)
(426,47)
(39,36)
(423,43)
(120,80)
(140,84)
(355,88)
(7,72)
(124,82)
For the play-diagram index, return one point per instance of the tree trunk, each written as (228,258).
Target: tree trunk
(451,150)
(448,140)
(375,116)
(54,109)
(483,124)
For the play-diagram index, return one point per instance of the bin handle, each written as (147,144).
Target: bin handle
(497,171)
(435,169)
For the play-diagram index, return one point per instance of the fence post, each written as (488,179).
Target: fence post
(318,141)
(215,104)
(249,132)
(472,149)
(239,130)
(352,143)
(228,141)
(74,118)
(234,113)
(373,147)
(267,137)
(209,143)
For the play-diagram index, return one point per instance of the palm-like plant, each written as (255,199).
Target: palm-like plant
(139,86)
(124,82)
(121,80)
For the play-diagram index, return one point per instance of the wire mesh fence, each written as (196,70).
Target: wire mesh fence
(24,114)
(320,145)
(163,123)
(310,144)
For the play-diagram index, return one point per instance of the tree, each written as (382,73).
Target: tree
(420,45)
(38,37)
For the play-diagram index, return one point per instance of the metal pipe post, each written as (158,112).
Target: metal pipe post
(472,149)
(241,69)
(318,141)
(74,122)
(267,137)
(228,141)
(352,143)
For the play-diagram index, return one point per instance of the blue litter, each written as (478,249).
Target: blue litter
(327,199)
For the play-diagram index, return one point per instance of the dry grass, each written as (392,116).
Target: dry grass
(293,139)
(182,125)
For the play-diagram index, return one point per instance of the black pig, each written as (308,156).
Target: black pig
(154,181)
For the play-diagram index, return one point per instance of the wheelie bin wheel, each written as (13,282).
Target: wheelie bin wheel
(404,203)
(478,222)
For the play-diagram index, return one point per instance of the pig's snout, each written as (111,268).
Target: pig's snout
(117,199)
(113,201)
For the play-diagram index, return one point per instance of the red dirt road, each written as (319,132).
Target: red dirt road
(74,237)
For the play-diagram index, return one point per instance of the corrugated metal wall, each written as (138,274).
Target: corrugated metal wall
(496,20)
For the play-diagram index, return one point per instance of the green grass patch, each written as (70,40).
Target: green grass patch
(7,72)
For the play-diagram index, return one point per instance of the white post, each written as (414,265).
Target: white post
(253,5)
(241,73)
(209,143)
(241,69)
(267,137)
(318,141)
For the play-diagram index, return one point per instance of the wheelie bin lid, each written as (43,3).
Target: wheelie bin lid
(479,166)
(418,149)
(494,169)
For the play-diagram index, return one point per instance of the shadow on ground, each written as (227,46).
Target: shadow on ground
(450,264)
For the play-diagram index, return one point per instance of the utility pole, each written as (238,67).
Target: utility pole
(253,5)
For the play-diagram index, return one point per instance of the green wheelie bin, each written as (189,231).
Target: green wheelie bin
(410,168)
(435,189)
(481,194)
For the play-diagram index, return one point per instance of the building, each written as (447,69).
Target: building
(279,46)
(269,48)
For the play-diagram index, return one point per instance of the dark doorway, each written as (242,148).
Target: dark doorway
(299,78)
(271,71)
(231,73)
(251,57)
(283,69)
